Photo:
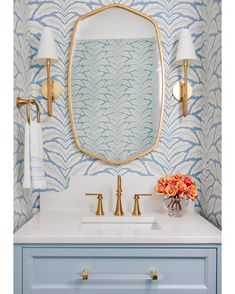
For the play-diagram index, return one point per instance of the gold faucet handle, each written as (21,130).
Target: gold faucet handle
(136,209)
(100,210)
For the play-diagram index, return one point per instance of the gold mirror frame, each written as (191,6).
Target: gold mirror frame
(101,9)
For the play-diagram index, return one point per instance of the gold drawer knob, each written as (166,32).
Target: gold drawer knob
(154,274)
(85,274)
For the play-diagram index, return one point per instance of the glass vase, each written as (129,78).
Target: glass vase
(175,205)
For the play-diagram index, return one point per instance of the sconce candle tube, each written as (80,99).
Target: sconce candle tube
(185,93)
(49,97)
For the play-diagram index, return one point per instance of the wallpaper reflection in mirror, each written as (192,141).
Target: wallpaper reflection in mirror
(115,83)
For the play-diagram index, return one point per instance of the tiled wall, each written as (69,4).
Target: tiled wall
(190,145)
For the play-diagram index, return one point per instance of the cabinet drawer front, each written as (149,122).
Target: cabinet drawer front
(127,270)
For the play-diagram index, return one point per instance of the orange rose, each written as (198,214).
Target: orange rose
(160,188)
(192,192)
(179,176)
(181,186)
(170,180)
(162,181)
(170,190)
(188,181)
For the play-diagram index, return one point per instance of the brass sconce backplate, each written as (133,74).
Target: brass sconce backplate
(55,89)
(177,90)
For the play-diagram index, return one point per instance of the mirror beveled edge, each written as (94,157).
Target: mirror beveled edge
(84,16)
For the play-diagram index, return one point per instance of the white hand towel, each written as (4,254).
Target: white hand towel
(27,167)
(36,156)
(34,176)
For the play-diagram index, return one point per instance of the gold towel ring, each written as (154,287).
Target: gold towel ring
(28,110)
(20,102)
(32,101)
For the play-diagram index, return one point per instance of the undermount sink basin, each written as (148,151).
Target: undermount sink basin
(122,224)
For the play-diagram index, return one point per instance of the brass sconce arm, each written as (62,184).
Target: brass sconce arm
(185,54)
(50,89)
(182,90)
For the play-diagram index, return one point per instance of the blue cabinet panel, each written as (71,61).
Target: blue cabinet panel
(18,267)
(117,269)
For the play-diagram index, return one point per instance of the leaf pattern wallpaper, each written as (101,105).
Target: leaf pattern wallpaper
(116,106)
(190,145)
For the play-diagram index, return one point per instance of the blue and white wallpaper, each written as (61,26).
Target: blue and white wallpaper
(116,96)
(191,145)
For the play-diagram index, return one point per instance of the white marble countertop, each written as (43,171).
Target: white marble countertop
(64,227)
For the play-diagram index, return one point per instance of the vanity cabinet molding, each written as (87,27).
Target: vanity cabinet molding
(56,269)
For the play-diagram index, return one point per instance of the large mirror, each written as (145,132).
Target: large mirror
(116,84)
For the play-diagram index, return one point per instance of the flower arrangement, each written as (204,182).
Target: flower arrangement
(177,187)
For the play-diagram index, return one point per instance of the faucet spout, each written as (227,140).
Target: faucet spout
(118,210)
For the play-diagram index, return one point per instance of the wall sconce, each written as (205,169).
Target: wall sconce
(185,55)
(47,55)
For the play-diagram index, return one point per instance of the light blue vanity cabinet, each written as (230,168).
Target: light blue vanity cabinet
(117,269)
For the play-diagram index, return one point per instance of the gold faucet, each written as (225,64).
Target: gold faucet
(118,210)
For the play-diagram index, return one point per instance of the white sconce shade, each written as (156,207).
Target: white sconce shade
(47,47)
(185,49)
(47,54)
